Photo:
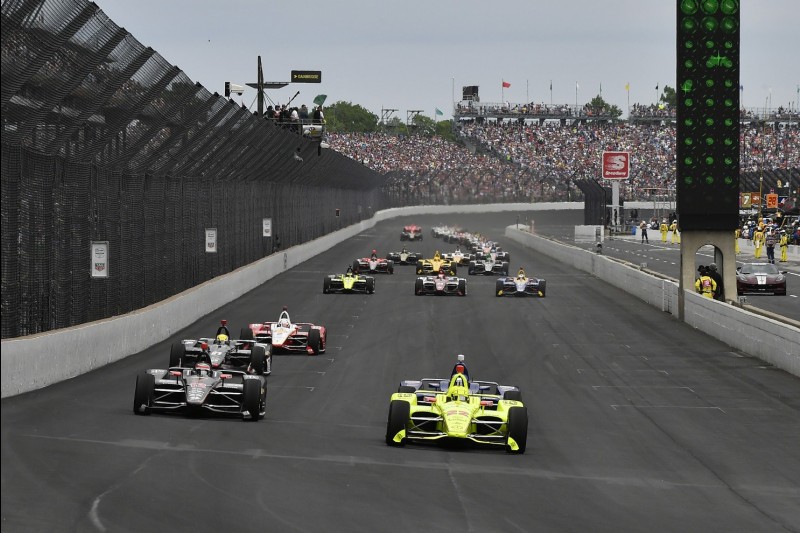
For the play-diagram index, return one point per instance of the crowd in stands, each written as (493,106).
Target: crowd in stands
(523,162)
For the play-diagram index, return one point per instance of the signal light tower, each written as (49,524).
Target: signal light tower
(707,167)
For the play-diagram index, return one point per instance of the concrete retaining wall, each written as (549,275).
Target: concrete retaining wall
(774,342)
(35,361)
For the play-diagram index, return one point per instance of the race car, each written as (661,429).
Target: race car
(433,266)
(441,284)
(458,257)
(521,285)
(200,388)
(488,264)
(411,233)
(373,264)
(404,257)
(486,249)
(286,336)
(458,410)
(223,353)
(348,282)
(764,278)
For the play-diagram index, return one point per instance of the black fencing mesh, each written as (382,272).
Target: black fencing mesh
(104,140)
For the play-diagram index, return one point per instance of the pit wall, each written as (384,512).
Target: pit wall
(770,340)
(36,361)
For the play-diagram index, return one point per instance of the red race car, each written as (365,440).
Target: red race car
(411,233)
(292,337)
(373,264)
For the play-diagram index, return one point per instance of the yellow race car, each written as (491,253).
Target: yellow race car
(458,409)
(433,266)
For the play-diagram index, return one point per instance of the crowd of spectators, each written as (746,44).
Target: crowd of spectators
(514,161)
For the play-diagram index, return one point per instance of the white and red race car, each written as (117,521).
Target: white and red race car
(291,337)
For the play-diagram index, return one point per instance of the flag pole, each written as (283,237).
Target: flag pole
(551,92)
(527,96)
(502,91)
(576,96)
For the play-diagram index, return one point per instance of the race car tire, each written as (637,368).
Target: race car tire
(542,287)
(251,399)
(390,266)
(518,428)
(143,396)
(246,334)
(326,285)
(370,285)
(420,270)
(505,268)
(462,287)
(177,353)
(418,290)
(471,268)
(498,288)
(512,395)
(258,356)
(399,412)
(453,269)
(355,266)
(314,341)
(406,388)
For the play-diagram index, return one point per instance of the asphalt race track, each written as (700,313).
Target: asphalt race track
(636,421)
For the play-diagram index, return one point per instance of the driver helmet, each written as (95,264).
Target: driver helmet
(374,254)
(712,266)
(202,369)
(284,322)
(521,273)
(222,338)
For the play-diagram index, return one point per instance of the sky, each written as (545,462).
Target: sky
(417,55)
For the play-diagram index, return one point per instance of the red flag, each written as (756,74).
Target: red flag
(506,85)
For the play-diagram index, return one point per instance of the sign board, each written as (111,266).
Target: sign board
(211,240)
(616,165)
(306,76)
(755,199)
(99,254)
(745,200)
(266,226)
(772,201)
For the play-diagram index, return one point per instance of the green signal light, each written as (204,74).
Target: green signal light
(729,7)
(689,7)
(709,180)
(709,83)
(689,24)
(688,141)
(709,122)
(688,63)
(728,161)
(728,142)
(709,102)
(709,7)
(710,24)
(688,180)
(689,102)
(709,160)
(709,44)
(728,102)
(689,122)
(688,160)
(729,25)
(728,83)
(728,180)
(709,141)
(729,122)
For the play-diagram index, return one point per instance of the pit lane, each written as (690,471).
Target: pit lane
(636,420)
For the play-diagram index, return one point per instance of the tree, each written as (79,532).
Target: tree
(345,117)
(669,97)
(598,106)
